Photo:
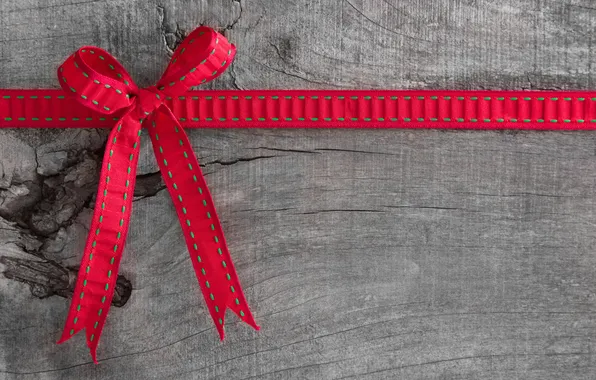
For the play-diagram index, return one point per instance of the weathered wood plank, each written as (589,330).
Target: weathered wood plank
(367,254)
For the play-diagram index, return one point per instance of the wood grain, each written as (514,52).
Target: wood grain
(366,254)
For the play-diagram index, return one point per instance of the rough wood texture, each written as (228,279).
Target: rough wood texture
(378,254)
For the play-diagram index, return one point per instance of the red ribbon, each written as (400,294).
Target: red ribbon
(106,96)
(455,109)
(100,83)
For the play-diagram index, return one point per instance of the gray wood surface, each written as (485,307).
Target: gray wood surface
(365,254)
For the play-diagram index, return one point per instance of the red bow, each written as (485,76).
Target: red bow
(100,83)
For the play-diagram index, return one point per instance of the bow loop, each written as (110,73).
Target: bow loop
(97,80)
(200,58)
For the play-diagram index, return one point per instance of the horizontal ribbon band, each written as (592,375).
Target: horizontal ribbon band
(549,110)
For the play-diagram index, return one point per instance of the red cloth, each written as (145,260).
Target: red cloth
(106,96)
(100,83)
(546,110)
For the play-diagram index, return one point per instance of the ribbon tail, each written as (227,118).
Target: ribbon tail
(202,230)
(96,280)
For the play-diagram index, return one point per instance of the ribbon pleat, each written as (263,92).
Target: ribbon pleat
(100,83)
(436,109)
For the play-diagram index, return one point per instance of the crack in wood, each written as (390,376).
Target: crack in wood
(47,278)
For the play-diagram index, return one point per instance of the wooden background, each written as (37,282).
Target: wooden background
(366,254)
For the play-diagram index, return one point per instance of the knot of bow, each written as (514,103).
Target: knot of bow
(99,82)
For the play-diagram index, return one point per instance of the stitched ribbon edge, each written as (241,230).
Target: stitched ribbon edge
(535,110)
(101,84)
